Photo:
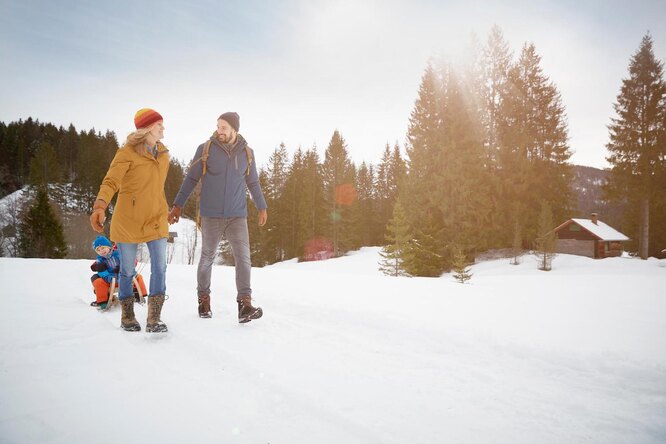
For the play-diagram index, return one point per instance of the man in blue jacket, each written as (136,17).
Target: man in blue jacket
(225,166)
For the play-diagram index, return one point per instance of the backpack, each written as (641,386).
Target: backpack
(205,153)
(204,166)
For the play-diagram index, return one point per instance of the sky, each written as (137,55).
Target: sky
(296,70)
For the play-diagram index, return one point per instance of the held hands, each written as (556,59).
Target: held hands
(98,217)
(174,215)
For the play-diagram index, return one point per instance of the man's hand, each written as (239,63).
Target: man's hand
(263,217)
(174,215)
(98,217)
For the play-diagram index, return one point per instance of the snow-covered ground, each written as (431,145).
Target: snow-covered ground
(342,355)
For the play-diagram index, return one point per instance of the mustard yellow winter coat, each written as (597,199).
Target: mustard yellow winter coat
(140,213)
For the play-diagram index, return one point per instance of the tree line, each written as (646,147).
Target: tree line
(485,166)
(61,166)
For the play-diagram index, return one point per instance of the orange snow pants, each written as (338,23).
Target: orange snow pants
(102,288)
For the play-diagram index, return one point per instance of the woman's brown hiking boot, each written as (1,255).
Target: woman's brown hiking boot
(127,320)
(246,312)
(204,306)
(154,324)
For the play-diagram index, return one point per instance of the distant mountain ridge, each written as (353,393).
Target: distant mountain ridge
(588,186)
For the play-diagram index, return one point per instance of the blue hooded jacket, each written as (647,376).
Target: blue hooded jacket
(223,187)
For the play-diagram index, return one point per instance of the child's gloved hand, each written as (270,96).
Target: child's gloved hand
(98,266)
(117,269)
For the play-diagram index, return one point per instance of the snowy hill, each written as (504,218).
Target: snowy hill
(342,355)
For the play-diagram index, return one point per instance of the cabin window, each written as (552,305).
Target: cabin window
(574,227)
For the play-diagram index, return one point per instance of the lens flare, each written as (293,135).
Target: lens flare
(318,249)
(345,194)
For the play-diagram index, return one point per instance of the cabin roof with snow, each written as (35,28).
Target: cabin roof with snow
(599,229)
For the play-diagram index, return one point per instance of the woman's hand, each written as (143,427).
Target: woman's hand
(98,216)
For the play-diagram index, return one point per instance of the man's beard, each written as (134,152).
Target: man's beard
(225,138)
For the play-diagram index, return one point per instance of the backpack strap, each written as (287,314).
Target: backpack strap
(203,159)
(206,151)
(204,156)
(248,153)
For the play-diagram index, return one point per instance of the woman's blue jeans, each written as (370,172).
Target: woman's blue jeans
(158,266)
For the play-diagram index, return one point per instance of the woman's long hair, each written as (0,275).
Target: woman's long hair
(137,140)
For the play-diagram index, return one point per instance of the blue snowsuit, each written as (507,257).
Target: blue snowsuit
(111,261)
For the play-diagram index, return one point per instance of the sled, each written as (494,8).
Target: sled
(114,289)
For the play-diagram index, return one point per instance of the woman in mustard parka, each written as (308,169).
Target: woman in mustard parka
(137,173)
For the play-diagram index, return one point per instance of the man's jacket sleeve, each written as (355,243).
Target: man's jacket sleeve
(194,172)
(253,184)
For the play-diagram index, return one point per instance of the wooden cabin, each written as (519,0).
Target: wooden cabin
(589,237)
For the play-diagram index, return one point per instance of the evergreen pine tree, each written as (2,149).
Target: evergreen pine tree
(424,139)
(70,146)
(462,192)
(389,177)
(338,172)
(423,256)
(461,272)
(496,62)
(174,180)
(517,248)
(44,168)
(638,147)
(260,249)
(533,156)
(41,233)
(291,202)
(546,242)
(278,168)
(367,223)
(313,211)
(396,251)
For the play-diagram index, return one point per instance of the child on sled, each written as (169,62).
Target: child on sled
(107,266)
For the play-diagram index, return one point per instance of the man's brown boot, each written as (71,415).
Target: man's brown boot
(154,323)
(246,312)
(127,320)
(204,306)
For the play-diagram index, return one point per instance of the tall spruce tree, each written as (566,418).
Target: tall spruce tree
(291,202)
(638,148)
(338,172)
(260,249)
(41,233)
(312,213)
(382,193)
(462,192)
(389,177)
(533,156)
(44,167)
(396,250)
(367,224)
(423,256)
(424,139)
(546,240)
(496,62)
(174,179)
(278,167)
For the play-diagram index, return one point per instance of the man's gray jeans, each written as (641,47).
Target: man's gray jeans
(235,231)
